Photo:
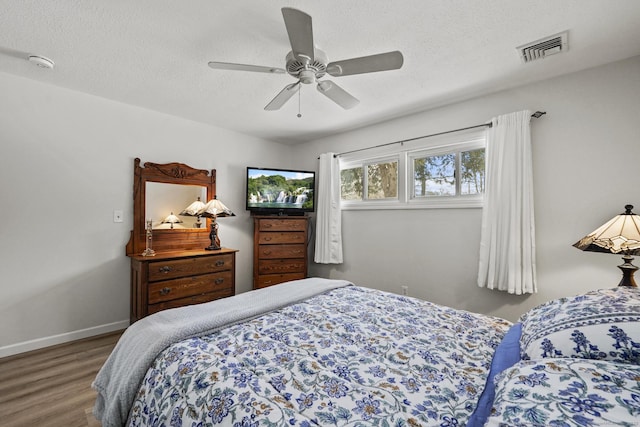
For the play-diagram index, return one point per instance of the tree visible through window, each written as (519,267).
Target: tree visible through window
(382,180)
(444,172)
(435,175)
(351,184)
(472,172)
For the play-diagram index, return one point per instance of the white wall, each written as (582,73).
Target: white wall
(586,168)
(66,162)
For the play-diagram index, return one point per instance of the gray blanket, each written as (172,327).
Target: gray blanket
(121,375)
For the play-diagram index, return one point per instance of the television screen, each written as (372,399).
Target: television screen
(280,191)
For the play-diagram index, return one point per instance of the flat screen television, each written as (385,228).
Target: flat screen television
(280,191)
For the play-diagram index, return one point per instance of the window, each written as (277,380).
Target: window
(446,172)
(372,180)
(382,180)
(435,175)
(472,172)
(351,183)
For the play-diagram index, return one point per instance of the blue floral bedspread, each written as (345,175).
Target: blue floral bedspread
(352,356)
(567,392)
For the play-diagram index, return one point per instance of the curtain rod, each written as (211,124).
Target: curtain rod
(535,115)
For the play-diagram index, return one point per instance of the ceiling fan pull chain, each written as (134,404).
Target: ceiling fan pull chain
(299,97)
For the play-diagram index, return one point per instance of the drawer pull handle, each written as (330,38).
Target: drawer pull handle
(267,239)
(267,225)
(219,280)
(165,269)
(165,291)
(266,252)
(219,263)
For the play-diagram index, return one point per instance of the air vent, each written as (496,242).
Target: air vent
(544,47)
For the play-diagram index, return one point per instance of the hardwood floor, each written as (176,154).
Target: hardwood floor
(52,386)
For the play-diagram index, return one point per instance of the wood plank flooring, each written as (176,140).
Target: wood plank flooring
(52,386)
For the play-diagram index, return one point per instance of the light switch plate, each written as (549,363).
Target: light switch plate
(117,216)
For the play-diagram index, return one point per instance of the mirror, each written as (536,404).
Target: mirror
(163,199)
(158,190)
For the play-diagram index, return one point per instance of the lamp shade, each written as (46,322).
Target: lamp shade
(171,219)
(620,235)
(193,208)
(215,208)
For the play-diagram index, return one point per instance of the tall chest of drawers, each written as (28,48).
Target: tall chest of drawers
(279,249)
(176,279)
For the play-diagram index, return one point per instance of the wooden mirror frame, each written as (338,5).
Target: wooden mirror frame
(167,240)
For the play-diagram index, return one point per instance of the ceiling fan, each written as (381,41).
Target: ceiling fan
(309,64)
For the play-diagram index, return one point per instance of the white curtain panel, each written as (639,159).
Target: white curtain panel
(507,245)
(328,248)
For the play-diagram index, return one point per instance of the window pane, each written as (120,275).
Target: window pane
(435,176)
(382,180)
(472,172)
(351,184)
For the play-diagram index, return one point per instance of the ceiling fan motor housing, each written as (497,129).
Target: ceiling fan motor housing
(307,71)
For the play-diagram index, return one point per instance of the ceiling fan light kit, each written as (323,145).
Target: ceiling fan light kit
(308,64)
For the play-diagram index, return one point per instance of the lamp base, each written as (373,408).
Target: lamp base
(213,236)
(148,252)
(627,272)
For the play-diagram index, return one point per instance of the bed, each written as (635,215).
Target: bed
(327,352)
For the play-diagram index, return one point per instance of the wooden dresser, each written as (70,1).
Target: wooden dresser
(176,279)
(181,272)
(279,249)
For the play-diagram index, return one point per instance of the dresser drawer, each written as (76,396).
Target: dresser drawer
(273,279)
(189,286)
(283,224)
(273,266)
(284,237)
(281,251)
(170,269)
(195,299)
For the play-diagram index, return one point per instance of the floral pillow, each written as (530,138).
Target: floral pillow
(566,392)
(602,324)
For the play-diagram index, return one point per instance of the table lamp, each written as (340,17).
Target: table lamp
(171,219)
(214,209)
(192,210)
(620,235)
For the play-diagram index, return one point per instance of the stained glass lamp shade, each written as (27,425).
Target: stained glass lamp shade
(171,219)
(620,235)
(192,210)
(214,209)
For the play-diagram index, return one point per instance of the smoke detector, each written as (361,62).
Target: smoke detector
(41,61)
(542,48)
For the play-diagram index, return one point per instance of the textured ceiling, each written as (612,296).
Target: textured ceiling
(154,53)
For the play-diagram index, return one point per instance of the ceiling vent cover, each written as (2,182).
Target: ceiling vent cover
(547,46)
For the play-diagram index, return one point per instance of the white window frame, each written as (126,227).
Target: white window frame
(405,153)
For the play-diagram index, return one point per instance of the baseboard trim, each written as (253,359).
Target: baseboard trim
(23,347)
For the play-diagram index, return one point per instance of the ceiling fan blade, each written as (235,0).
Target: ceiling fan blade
(366,64)
(300,32)
(337,94)
(244,67)
(283,96)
